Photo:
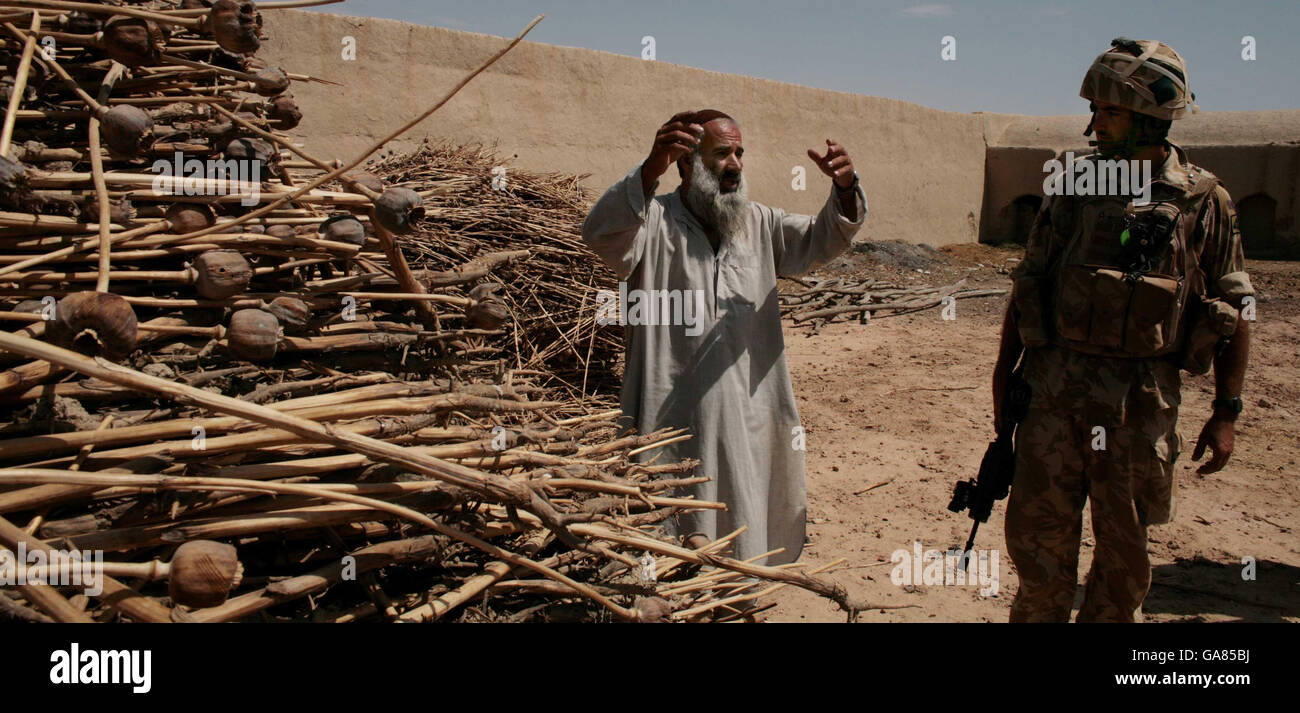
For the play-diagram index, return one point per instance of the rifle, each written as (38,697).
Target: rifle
(998,468)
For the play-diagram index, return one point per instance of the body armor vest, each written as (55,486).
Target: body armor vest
(1126,276)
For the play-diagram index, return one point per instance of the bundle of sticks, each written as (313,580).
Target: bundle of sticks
(821,300)
(484,206)
(266,384)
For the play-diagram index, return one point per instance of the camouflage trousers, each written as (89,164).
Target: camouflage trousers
(1130,485)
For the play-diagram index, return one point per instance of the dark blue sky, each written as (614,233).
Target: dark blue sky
(1011,55)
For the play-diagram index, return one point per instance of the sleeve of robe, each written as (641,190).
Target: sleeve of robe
(617,226)
(801,243)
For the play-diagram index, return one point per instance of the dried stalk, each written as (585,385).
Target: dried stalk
(20,85)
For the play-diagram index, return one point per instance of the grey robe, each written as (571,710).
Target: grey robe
(729,384)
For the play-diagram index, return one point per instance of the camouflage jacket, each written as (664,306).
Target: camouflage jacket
(1103,341)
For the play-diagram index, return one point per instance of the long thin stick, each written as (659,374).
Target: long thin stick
(84,245)
(40,476)
(489,485)
(827,588)
(366,559)
(93,9)
(20,85)
(116,594)
(101,188)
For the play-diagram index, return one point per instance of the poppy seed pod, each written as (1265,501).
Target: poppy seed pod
(219,133)
(28,306)
(284,112)
(13,182)
(291,312)
(343,228)
(369,180)
(31,150)
(120,210)
(228,229)
(127,130)
(271,81)
(489,310)
(651,610)
(399,209)
(228,60)
(203,573)
(235,24)
(79,23)
(281,231)
(247,150)
(133,41)
(94,324)
(221,273)
(253,334)
(189,217)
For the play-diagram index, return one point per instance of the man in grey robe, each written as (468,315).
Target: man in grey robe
(717,365)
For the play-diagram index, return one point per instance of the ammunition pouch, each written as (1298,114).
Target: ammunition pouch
(1102,311)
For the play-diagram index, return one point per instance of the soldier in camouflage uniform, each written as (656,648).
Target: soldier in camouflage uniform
(1114,297)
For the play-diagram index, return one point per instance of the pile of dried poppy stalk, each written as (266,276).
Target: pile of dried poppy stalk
(822,300)
(316,391)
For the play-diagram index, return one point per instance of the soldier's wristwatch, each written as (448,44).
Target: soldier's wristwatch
(1229,408)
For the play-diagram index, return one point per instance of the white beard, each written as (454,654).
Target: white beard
(725,213)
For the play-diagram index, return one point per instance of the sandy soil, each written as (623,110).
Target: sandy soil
(905,400)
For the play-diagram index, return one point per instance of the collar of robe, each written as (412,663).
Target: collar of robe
(694,229)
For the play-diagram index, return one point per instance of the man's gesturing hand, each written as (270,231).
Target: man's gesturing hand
(836,163)
(1218,434)
(675,139)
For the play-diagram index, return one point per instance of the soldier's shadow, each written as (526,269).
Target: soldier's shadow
(1196,587)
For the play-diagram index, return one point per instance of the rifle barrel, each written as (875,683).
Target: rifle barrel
(970,546)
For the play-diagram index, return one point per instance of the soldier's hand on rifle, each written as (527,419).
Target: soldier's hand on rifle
(1218,434)
(1009,353)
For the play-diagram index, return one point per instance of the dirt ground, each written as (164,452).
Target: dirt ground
(905,401)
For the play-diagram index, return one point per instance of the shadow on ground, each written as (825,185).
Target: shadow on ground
(1192,589)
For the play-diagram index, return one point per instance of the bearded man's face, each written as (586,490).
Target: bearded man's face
(716,191)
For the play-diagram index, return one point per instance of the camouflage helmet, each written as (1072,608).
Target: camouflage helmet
(1146,76)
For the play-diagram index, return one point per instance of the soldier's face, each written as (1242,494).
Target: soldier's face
(720,152)
(1111,121)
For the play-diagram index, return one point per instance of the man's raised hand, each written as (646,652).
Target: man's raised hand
(836,163)
(676,138)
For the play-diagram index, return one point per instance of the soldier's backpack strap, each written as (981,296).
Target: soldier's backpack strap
(1200,195)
